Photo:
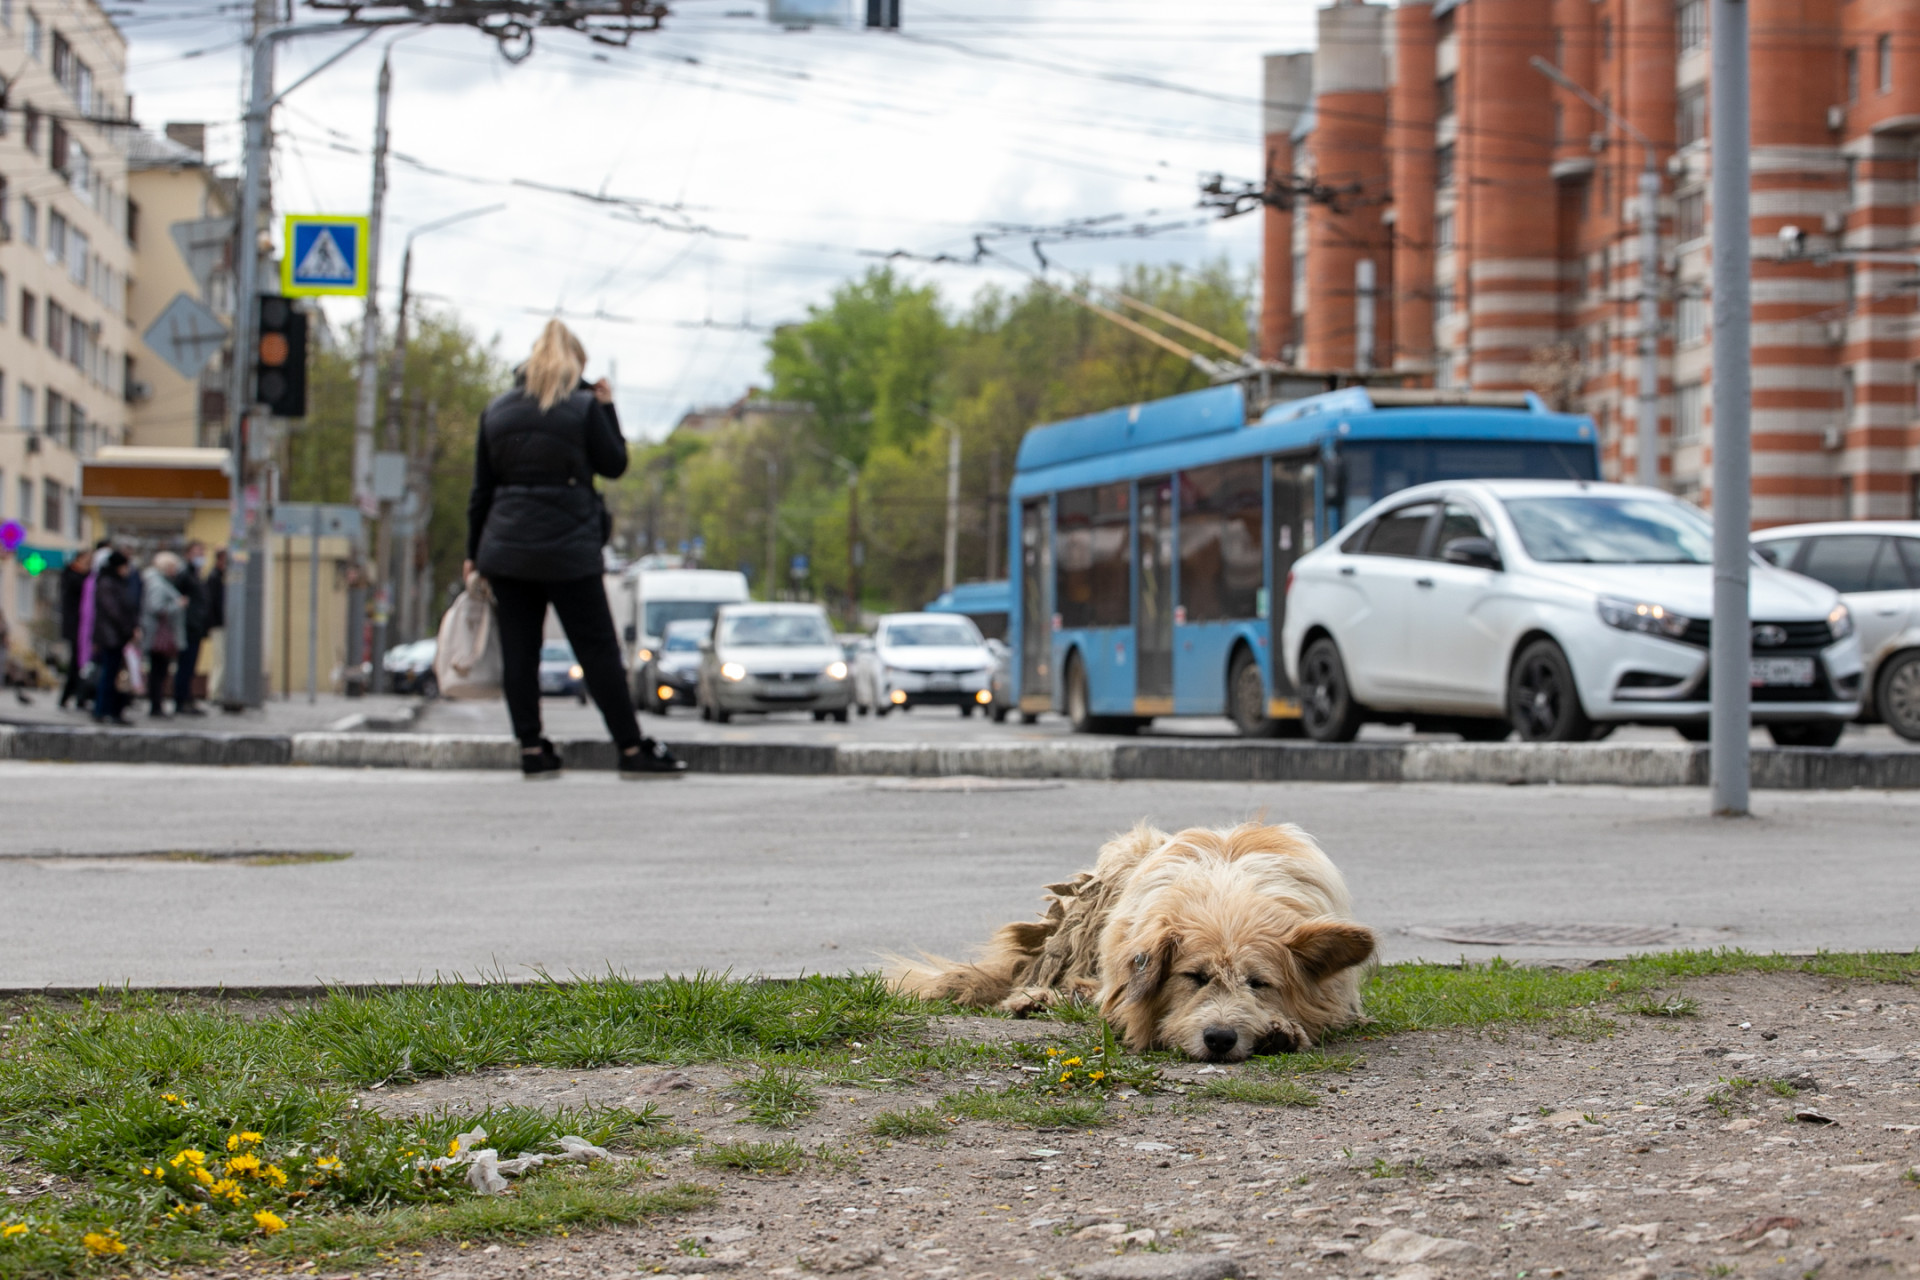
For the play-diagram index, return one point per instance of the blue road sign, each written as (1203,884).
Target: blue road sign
(324,256)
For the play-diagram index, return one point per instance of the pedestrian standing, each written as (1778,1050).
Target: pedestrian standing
(535,529)
(73,587)
(116,624)
(9,675)
(163,626)
(216,634)
(188,583)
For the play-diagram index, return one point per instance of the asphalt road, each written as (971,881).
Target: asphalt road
(474,873)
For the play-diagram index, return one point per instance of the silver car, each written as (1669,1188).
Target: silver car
(1875,566)
(773,657)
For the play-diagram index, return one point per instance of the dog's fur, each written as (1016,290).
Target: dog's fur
(1220,943)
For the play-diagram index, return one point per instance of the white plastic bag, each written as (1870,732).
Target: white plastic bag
(467,662)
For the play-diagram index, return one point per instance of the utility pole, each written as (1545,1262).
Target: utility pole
(365,406)
(773,522)
(1647,431)
(1364,298)
(855,552)
(953,504)
(1732,654)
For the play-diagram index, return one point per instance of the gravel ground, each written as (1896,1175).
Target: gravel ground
(1579,1148)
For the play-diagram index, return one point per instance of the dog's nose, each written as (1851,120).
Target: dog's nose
(1220,1040)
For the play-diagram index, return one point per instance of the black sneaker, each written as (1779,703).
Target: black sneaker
(544,763)
(651,760)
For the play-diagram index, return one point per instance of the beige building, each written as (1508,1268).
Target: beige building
(64,266)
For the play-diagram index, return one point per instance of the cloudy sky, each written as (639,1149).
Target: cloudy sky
(756,167)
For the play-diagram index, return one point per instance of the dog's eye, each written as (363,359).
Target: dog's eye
(1197,979)
(1258,984)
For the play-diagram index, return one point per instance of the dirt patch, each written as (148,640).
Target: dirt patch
(1606,1144)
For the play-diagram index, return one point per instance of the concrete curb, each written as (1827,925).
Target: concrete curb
(1563,764)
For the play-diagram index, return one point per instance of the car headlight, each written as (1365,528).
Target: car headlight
(733,671)
(836,671)
(1650,619)
(574,672)
(1840,622)
(645,655)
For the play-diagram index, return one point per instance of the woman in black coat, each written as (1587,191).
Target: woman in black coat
(535,527)
(116,624)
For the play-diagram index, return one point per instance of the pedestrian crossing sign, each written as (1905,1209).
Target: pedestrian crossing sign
(324,255)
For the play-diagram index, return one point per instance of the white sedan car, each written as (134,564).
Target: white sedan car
(1875,566)
(924,659)
(1557,609)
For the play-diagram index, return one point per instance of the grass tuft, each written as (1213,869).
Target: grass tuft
(1018,1106)
(920,1122)
(1657,1005)
(1266,1093)
(777,1099)
(754,1157)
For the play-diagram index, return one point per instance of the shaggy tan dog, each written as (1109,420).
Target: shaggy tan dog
(1220,943)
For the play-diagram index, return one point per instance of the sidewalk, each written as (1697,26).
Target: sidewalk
(329,712)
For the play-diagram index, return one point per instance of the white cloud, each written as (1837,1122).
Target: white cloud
(798,149)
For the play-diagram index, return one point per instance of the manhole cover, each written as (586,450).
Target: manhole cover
(1555,935)
(155,859)
(967,782)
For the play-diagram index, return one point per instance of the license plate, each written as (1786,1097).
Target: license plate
(944,680)
(1792,672)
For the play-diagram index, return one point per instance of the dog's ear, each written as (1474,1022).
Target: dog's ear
(1323,948)
(1132,999)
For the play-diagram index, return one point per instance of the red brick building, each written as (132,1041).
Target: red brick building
(1488,230)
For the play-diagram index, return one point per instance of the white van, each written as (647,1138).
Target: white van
(645,600)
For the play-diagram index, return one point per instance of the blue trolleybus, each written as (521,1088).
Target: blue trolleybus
(1156,540)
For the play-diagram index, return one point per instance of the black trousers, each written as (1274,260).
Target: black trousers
(183,673)
(588,622)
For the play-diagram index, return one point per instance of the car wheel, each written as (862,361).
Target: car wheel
(840,716)
(999,715)
(966,711)
(1897,694)
(1079,703)
(1542,700)
(581,697)
(1816,733)
(721,715)
(1474,729)
(819,717)
(1327,707)
(1247,697)
(1700,732)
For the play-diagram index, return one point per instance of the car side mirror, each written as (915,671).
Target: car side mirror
(1769,554)
(1478,552)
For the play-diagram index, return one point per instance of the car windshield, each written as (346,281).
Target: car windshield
(683,642)
(1606,529)
(557,651)
(772,630)
(661,612)
(913,635)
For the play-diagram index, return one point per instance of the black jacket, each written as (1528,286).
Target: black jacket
(189,585)
(115,613)
(533,512)
(215,591)
(73,585)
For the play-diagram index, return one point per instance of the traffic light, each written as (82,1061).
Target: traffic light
(280,359)
(884,14)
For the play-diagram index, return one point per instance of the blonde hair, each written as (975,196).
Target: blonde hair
(554,368)
(167,563)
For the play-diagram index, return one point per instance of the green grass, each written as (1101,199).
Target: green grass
(95,1092)
(754,1157)
(1266,1093)
(777,1099)
(920,1122)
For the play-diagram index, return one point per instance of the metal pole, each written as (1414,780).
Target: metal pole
(1363,305)
(1649,443)
(993,516)
(313,608)
(853,549)
(1732,409)
(364,407)
(239,688)
(773,523)
(953,504)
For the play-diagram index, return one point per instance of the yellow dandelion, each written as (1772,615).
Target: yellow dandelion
(103,1244)
(1066,1077)
(273,1174)
(329,1163)
(174,1098)
(1096,1075)
(1053,1053)
(269,1221)
(189,1156)
(246,1162)
(13,1229)
(1071,1062)
(202,1177)
(251,1138)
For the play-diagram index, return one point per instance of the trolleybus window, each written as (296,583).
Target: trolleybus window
(1374,470)
(1221,566)
(1091,543)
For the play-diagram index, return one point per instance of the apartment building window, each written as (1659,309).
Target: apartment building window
(56,413)
(1690,117)
(29,314)
(29,222)
(56,237)
(6,14)
(1689,414)
(36,36)
(52,517)
(56,328)
(1443,166)
(27,403)
(1883,53)
(1692,19)
(1443,231)
(1690,217)
(1689,319)
(32,116)
(1853,75)
(1444,103)
(79,256)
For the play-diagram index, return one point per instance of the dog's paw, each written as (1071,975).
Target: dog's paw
(1028,1001)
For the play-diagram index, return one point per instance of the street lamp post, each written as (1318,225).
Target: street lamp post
(1648,434)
